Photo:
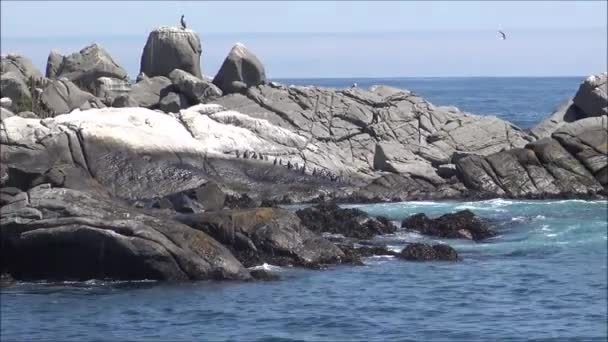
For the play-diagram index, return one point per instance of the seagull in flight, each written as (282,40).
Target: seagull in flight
(503,36)
(183,22)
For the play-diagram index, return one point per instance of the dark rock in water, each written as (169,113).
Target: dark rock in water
(463,224)
(63,234)
(241,65)
(424,252)
(170,48)
(264,275)
(194,88)
(266,235)
(330,218)
(173,102)
(353,255)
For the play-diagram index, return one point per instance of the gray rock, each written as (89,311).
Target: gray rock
(109,89)
(149,91)
(85,67)
(66,234)
(21,65)
(592,95)
(446,171)
(62,96)
(14,87)
(241,65)
(270,235)
(173,102)
(195,89)
(124,101)
(170,48)
(565,113)
(6,102)
(211,196)
(53,64)
(5,114)
(27,115)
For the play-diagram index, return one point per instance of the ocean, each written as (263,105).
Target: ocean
(543,277)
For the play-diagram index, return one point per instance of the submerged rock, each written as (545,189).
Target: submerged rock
(425,252)
(463,224)
(330,218)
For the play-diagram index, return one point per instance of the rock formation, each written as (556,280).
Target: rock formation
(241,69)
(170,48)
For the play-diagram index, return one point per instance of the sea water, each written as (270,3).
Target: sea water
(543,276)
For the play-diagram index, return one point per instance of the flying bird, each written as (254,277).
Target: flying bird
(183,22)
(503,36)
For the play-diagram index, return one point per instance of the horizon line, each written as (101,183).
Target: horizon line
(226,33)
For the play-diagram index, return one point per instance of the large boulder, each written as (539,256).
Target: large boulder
(592,95)
(173,102)
(330,218)
(194,88)
(266,235)
(21,65)
(463,224)
(150,90)
(241,69)
(62,96)
(85,67)
(565,113)
(53,64)
(61,234)
(170,48)
(14,87)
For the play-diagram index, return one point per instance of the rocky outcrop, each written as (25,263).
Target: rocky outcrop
(330,218)
(66,234)
(84,68)
(20,65)
(148,92)
(170,48)
(570,163)
(592,96)
(590,100)
(266,235)
(425,252)
(241,69)
(62,96)
(460,225)
(14,87)
(173,102)
(194,88)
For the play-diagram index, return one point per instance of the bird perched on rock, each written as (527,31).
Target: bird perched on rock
(503,36)
(183,22)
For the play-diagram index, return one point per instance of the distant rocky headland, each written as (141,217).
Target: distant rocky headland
(178,175)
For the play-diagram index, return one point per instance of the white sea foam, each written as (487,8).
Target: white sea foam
(266,267)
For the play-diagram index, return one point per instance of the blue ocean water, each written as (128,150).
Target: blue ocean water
(544,276)
(524,101)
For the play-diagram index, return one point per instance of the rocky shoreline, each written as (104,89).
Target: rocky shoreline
(178,176)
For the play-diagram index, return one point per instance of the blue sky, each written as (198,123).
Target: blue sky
(333,39)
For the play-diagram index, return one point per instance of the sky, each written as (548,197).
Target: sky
(332,39)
